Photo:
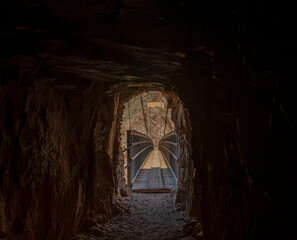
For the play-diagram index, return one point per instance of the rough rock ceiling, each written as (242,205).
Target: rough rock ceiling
(101,40)
(136,64)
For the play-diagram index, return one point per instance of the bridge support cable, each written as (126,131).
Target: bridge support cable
(149,116)
(144,117)
(165,119)
(160,126)
(168,146)
(129,115)
(139,146)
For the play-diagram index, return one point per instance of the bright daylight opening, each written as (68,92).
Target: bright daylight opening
(149,143)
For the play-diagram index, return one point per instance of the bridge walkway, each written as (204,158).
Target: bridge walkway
(155,175)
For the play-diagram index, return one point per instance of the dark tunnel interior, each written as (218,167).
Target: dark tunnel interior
(227,72)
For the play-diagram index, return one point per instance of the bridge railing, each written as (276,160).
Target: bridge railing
(168,147)
(139,146)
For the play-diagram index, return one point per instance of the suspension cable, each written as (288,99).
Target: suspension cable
(129,115)
(144,118)
(149,116)
(165,119)
(160,125)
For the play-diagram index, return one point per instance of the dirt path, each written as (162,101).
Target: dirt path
(151,216)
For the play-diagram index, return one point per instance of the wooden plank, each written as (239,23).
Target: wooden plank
(155,179)
(142,180)
(152,190)
(155,176)
(168,180)
(148,190)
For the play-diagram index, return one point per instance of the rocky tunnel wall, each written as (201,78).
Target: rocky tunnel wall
(233,66)
(56,159)
(239,90)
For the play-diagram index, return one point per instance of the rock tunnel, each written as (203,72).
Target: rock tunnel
(68,67)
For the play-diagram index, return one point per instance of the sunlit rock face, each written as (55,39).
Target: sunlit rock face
(67,68)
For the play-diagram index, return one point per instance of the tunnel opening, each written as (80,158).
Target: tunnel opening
(149,143)
(155,170)
(68,67)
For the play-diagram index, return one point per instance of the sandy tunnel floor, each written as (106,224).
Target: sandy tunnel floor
(152,216)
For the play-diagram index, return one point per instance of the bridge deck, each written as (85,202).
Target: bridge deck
(155,176)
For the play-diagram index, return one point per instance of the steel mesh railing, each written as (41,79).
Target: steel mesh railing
(139,147)
(169,149)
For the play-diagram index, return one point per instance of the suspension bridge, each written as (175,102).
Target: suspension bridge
(151,166)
